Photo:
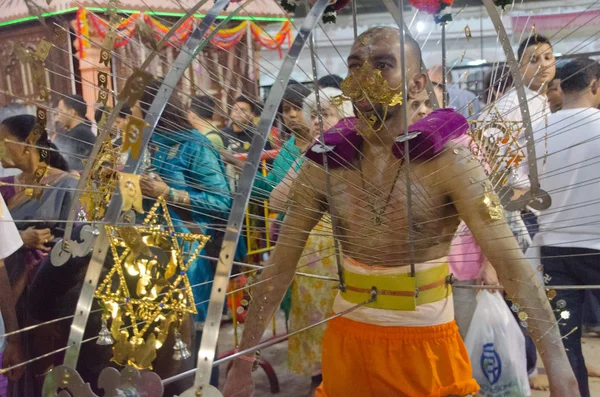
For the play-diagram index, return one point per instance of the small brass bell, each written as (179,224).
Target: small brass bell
(104,336)
(180,349)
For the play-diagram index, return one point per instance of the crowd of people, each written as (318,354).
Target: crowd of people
(194,158)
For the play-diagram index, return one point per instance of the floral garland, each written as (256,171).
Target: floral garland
(440,9)
(224,39)
(330,14)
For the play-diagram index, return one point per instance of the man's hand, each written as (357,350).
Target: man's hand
(487,276)
(153,186)
(13,355)
(36,238)
(239,380)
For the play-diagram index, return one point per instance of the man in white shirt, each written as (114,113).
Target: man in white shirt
(569,231)
(11,241)
(537,67)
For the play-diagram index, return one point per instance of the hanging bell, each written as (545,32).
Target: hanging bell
(180,349)
(104,336)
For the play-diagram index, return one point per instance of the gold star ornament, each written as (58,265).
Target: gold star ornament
(146,293)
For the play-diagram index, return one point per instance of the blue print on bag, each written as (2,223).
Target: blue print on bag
(491,365)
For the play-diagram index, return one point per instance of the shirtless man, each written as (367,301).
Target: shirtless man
(406,342)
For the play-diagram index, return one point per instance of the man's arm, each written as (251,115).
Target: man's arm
(279,195)
(303,214)
(463,179)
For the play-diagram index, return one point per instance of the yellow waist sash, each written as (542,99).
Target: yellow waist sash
(398,291)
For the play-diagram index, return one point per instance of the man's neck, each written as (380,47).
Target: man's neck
(393,127)
(73,124)
(236,128)
(578,101)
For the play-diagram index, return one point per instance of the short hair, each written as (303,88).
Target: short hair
(577,74)
(331,80)
(77,103)
(203,106)
(409,41)
(534,39)
(436,74)
(123,113)
(295,94)
(325,95)
(254,105)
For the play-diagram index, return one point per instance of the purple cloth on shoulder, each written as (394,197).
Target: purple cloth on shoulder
(342,143)
(435,130)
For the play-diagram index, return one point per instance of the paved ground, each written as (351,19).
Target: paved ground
(297,386)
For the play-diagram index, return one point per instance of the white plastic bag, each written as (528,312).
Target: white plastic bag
(496,347)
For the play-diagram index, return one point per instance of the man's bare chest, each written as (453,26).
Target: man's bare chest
(375,213)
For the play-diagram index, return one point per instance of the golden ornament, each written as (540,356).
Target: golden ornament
(492,201)
(368,83)
(133,136)
(147,290)
(101,185)
(131,192)
(523,316)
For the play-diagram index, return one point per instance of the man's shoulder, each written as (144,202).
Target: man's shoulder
(454,160)
(83,131)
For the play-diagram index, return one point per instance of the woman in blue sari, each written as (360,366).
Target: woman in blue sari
(187,170)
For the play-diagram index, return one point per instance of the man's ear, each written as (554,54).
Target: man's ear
(594,86)
(417,84)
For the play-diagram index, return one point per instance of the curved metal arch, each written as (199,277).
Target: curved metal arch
(85,175)
(197,41)
(535,197)
(212,325)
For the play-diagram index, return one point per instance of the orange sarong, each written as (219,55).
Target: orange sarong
(364,360)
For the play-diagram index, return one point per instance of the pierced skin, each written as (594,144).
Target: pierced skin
(443,193)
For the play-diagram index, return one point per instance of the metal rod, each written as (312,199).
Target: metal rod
(334,223)
(212,326)
(445,100)
(268,343)
(542,199)
(395,13)
(354,19)
(406,164)
(555,287)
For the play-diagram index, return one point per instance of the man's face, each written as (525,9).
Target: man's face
(65,115)
(330,115)
(241,114)
(555,95)
(380,50)
(291,113)
(538,66)
(419,107)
